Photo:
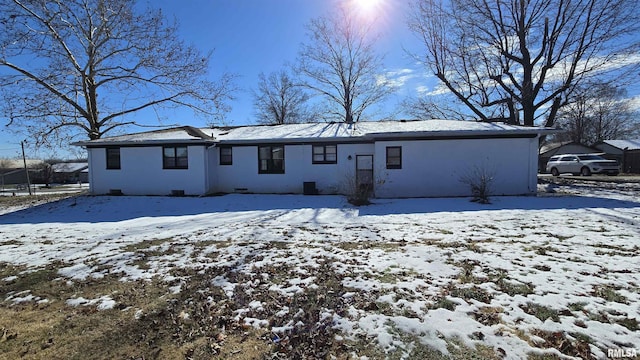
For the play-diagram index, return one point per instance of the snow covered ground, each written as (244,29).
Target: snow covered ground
(553,274)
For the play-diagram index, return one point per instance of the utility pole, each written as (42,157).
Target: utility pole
(26,171)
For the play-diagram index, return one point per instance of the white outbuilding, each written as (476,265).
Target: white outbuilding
(390,158)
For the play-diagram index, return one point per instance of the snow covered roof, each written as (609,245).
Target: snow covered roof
(565,148)
(183,134)
(69,167)
(309,132)
(624,144)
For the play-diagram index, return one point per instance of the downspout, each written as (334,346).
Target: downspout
(533,179)
(91,172)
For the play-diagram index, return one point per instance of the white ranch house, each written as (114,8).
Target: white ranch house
(396,158)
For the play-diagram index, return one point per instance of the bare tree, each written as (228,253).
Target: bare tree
(519,61)
(43,173)
(598,112)
(339,63)
(280,100)
(82,67)
(426,108)
(5,163)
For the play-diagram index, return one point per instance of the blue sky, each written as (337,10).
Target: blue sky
(252,36)
(248,37)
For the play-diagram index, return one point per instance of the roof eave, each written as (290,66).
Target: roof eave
(350,139)
(467,133)
(142,143)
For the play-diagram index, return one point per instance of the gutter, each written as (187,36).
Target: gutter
(142,143)
(298,141)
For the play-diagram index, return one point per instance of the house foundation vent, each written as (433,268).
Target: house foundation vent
(177,192)
(309,188)
(115,192)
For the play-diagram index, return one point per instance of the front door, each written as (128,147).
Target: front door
(364,173)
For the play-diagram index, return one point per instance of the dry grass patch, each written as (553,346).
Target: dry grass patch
(368,245)
(488,315)
(441,302)
(471,292)
(10,243)
(629,323)
(36,282)
(541,312)
(149,323)
(616,250)
(513,288)
(473,273)
(146,245)
(567,345)
(609,293)
(56,330)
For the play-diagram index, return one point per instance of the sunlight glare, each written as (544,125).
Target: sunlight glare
(367,8)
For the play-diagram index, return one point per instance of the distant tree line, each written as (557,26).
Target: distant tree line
(597,113)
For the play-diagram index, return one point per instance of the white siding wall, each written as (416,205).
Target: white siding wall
(141,172)
(329,178)
(433,168)
(430,168)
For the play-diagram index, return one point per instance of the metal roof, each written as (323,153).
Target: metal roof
(69,167)
(309,132)
(624,144)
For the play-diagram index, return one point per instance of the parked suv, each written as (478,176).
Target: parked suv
(582,164)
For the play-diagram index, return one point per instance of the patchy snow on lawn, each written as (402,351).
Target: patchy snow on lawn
(18,298)
(515,275)
(103,302)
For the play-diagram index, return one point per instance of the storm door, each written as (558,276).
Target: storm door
(364,173)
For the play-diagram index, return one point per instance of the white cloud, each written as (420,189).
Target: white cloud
(634,102)
(620,61)
(397,78)
(438,89)
(422,90)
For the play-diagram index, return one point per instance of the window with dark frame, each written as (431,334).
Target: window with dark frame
(175,157)
(113,158)
(394,157)
(271,159)
(325,154)
(226,155)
